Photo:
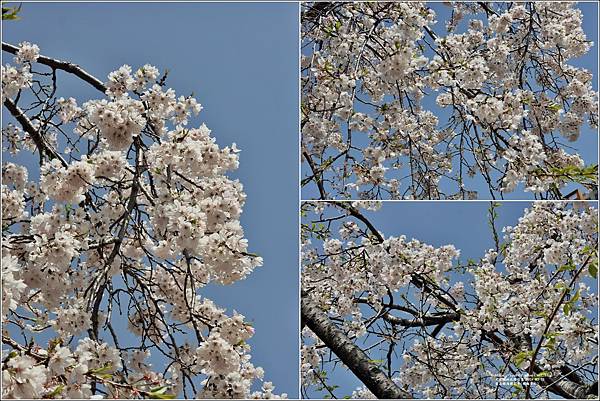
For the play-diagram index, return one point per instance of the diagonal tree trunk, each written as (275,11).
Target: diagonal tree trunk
(350,354)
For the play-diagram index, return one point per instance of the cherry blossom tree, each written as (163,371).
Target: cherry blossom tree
(115,214)
(393,107)
(411,320)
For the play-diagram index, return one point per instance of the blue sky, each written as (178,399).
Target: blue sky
(586,145)
(240,60)
(463,224)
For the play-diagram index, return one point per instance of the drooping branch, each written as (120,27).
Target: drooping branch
(566,383)
(352,211)
(103,206)
(421,321)
(62,65)
(316,174)
(27,125)
(317,10)
(349,353)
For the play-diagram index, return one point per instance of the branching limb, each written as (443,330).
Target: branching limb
(352,356)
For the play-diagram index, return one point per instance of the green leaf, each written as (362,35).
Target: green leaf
(551,342)
(593,268)
(543,373)
(159,390)
(570,266)
(10,13)
(102,370)
(522,357)
(518,389)
(160,393)
(162,396)
(585,175)
(568,307)
(575,298)
(12,354)
(554,107)
(55,392)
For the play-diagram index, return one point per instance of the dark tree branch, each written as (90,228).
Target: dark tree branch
(355,213)
(349,353)
(315,11)
(421,321)
(62,65)
(27,125)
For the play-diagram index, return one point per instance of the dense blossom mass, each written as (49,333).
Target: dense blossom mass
(129,214)
(395,107)
(520,322)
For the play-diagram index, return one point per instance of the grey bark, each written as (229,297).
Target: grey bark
(569,389)
(349,353)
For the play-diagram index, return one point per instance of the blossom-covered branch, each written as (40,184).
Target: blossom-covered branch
(107,251)
(349,353)
(519,322)
(392,109)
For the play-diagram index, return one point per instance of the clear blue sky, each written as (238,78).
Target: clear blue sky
(241,62)
(586,145)
(463,224)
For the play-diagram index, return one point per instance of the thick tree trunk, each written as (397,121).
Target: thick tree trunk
(350,354)
(568,389)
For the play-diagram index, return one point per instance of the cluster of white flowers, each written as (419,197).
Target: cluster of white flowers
(28,53)
(366,76)
(13,205)
(16,78)
(66,184)
(136,195)
(525,163)
(72,320)
(41,373)
(68,109)
(199,206)
(23,378)
(536,291)
(393,263)
(120,82)
(217,356)
(310,357)
(117,121)
(12,287)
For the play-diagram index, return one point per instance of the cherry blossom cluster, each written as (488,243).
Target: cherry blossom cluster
(61,372)
(504,85)
(455,326)
(131,215)
(17,77)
